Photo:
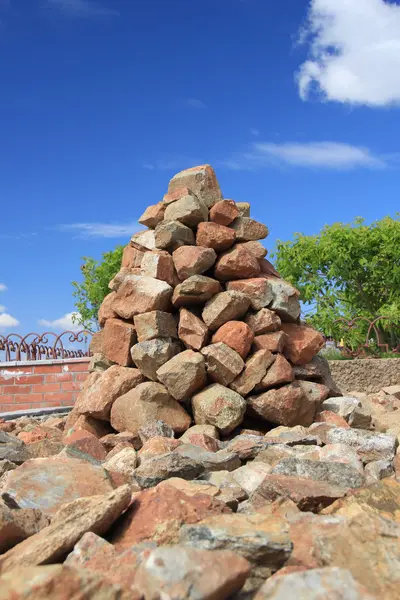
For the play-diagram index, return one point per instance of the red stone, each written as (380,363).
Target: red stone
(193,260)
(87,443)
(302,344)
(212,235)
(118,339)
(224,212)
(237,335)
(274,342)
(237,263)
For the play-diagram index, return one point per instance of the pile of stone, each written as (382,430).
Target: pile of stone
(232,469)
(205,329)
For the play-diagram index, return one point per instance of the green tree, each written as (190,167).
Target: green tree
(347,271)
(91,292)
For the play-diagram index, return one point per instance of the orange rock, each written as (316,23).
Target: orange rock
(224,212)
(212,235)
(257,289)
(263,321)
(106,310)
(326,416)
(274,342)
(303,343)
(195,290)
(118,339)
(200,180)
(287,406)
(159,264)
(86,442)
(192,331)
(153,215)
(193,260)
(237,335)
(280,372)
(158,445)
(131,257)
(40,432)
(237,263)
(203,441)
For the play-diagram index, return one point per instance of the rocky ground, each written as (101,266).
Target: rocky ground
(210,455)
(298,512)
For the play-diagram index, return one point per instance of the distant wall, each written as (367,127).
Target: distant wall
(41,384)
(365,375)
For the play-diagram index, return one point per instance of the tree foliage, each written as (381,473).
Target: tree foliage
(91,292)
(346,271)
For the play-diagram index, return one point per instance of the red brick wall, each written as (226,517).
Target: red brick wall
(41,384)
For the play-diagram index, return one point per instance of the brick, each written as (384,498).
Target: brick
(47,404)
(10,372)
(17,389)
(78,367)
(58,396)
(6,407)
(67,403)
(30,379)
(6,399)
(71,386)
(48,369)
(81,376)
(58,377)
(47,387)
(30,397)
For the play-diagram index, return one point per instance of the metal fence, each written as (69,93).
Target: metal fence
(374,337)
(44,346)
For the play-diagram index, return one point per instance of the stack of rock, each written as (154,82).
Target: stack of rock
(201,326)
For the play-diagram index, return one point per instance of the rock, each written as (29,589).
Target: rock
(370,446)
(344,406)
(257,289)
(193,260)
(52,543)
(237,335)
(224,212)
(131,258)
(86,442)
(192,488)
(246,446)
(208,430)
(184,374)
(251,475)
(189,574)
(227,485)
(316,392)
(361,418)
(261,540)
(303,343)
(113,440)
(153,429)
(188,210)
(157,469)
(155,324)
(37,433)
(143,240)
(274,341)
(5,466)
(12,449)
(158,514)
(236,263)
(222,363)
(94,554)
(331,418)
(279,372)
(203,441)
(263,321)
(45,448)
(285,299)
(156,446)
(158,264)
(342,454)
(124,462)
(118,448)
(153,215)
(101,391)
(140,295)
(195,290)
(334,473)
(365,544)
(47,483)
(99,362)
(219,406)
(170,235)
(314,584)
(106,310)
(178,193)
(287,405)
(202,181)
(97,428)
(326,378)
(224,307)
(254,372)
(378,469)
(268,269)
(17,525)
(64,582)
(255,248)
(191,330)
(148,402)
(392,390)
(118,279)
(243,208)
(249,230)
(118,338)
(292,436)
(211,461)
(149,356)
(307,494)
(217,237)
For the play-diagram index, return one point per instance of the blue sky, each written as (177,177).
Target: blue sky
(294,103)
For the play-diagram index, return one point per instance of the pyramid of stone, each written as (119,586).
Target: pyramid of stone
(199,328)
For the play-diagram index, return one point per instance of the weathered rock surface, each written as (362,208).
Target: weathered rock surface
(138,295)
(192,331)
(222,363)
(149,356)
(184,374)
(224,307)
(155,324)
(237,335)
(172,235)
(188,210)
(219,406)
(195,291)
(236,263)
(254,372)
(193,260)
(213,235)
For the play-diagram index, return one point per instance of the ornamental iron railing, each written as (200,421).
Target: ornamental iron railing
(44,346)
(382,336)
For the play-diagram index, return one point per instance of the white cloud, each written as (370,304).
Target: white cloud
(7,321)
(103,230)
(3,287)
(196,103)
(64,323)
(2,308)
(354,52)
(326,155)
(82,8)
